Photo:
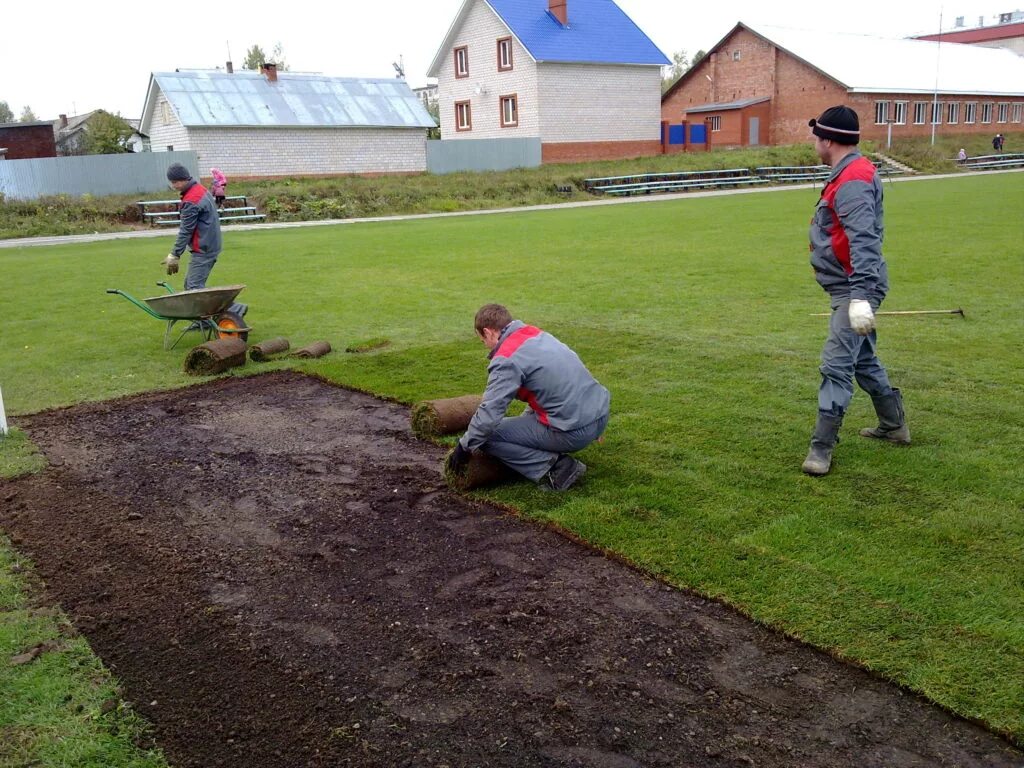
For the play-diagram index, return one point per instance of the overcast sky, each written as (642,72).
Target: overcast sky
(73,57)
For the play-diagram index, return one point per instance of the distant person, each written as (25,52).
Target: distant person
(199,231)
(567,408)
(997,142)
(961,156)
(219,187)
(846,254)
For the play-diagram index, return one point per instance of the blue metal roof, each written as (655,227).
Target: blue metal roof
(598,32)
(218,99)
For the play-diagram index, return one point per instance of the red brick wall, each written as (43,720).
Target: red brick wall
(578,151)
(25,142)
(798,92)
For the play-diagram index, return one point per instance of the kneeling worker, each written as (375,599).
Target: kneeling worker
(568,408)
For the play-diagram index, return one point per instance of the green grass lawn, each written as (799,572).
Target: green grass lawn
(696,314)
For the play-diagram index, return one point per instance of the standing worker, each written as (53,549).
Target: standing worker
(846,254)
(568,408)
(199,232)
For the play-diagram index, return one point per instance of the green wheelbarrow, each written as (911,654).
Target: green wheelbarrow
(206,309)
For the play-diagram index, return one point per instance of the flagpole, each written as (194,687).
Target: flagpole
(935,98)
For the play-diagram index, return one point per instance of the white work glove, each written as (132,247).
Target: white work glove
(171,262)
(862,319)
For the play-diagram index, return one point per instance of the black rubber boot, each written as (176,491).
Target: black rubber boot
(892,420)
(824,439)
(564,473)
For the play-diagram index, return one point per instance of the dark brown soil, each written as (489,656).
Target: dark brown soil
(273,569)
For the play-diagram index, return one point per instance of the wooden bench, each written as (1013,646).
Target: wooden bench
(793,173)
(1006,160)
(646,183)
(169,213)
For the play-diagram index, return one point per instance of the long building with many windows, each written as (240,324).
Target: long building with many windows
(761,86)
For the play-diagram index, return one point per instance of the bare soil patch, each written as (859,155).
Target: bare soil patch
(275,570)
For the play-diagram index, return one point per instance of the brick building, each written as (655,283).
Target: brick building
(761,86)
(1008,33)
(578,74)
(24,141)
(257,124)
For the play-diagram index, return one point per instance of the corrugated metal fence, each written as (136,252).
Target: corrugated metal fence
(130,173)
(482,154)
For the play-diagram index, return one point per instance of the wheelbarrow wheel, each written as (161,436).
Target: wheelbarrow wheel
(226,322)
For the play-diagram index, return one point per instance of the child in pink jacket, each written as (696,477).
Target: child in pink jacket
(219,186)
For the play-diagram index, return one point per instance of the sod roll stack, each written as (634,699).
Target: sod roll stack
(433,418)
(215,357)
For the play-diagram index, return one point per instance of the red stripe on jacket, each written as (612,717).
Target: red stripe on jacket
(507,349)
(860,169)
(194,195)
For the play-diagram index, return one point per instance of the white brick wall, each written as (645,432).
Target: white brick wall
(480,33)
(599,102)
(286,151)
(163,135)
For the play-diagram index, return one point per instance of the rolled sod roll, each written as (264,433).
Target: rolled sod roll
(215,357)
(316,349)
(260,353)
(481,471)
(431,418)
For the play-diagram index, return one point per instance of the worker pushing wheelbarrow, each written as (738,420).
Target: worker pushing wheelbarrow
(209,311)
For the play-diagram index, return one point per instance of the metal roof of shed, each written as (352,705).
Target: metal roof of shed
(217,99)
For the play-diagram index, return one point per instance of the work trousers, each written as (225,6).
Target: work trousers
(199,267)
(530,448)
(846,357)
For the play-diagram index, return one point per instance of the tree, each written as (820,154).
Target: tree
(697,57)
(107,134)
(6,115)
(670,74)
(255,56)
(27,115)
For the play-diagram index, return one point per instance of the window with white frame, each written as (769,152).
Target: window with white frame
(715,122)
(510,111)
(970,112)
(900,116)
(462,62)
(736,55)
(953,112)
(920,112)
(504,54)
(986,112)
(1018,112)
(881,112)
(463,116)
(1003,112)
(936,113)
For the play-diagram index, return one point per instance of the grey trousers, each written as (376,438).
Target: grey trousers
(846,357)
(199,267)
(530,448)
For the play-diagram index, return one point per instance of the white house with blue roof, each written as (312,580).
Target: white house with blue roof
(257,124)
(577,74)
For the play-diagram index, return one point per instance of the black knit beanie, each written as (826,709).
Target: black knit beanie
(178,172)
(838,124)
